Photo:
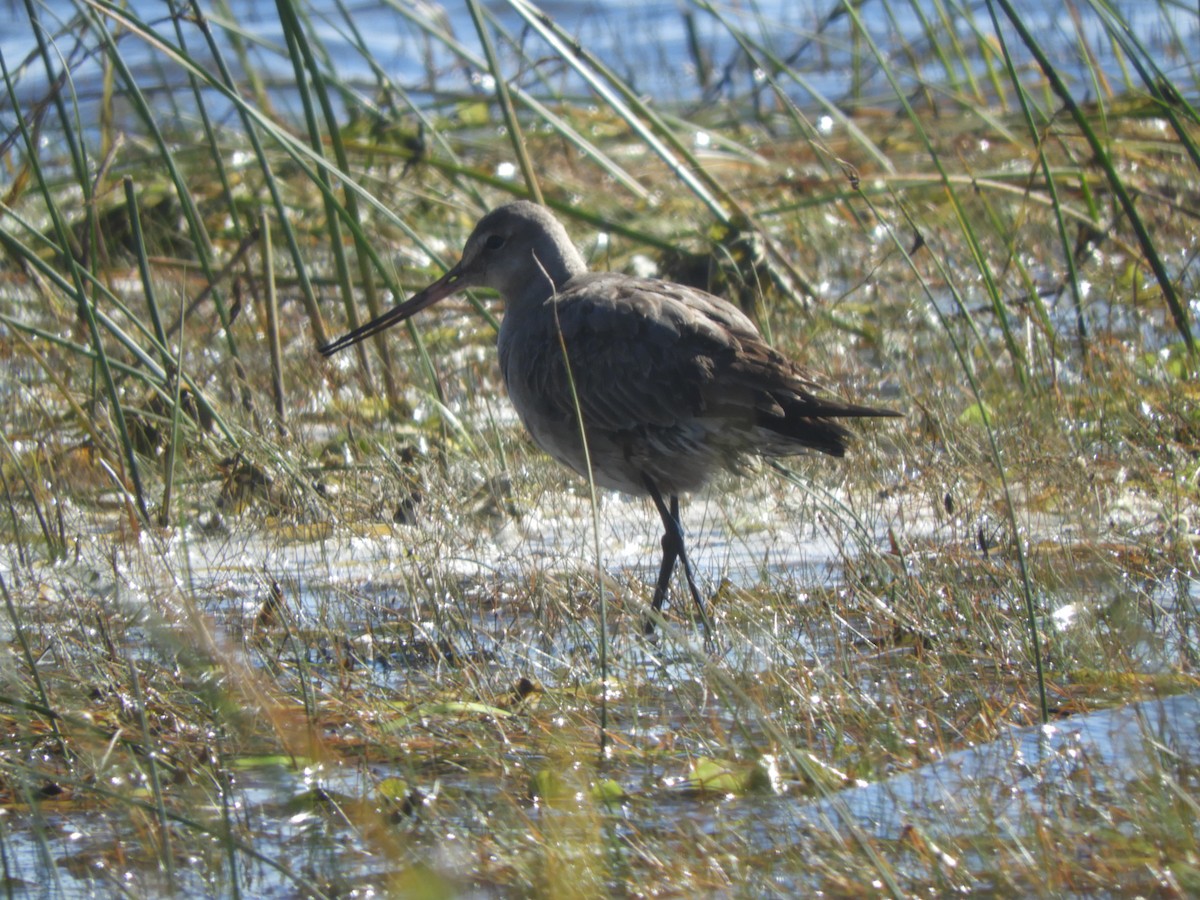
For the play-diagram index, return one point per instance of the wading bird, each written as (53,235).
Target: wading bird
(667,383)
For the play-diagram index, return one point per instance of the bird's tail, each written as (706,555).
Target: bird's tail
(809,423)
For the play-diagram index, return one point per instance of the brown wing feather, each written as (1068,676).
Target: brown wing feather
(652,356)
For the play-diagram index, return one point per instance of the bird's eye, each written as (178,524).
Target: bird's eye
(494,242)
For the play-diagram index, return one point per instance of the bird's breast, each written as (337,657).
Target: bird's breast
(623,446)
(532,374)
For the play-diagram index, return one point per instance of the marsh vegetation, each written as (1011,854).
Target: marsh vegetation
(280,627)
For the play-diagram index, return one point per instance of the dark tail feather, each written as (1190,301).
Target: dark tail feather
(809,423)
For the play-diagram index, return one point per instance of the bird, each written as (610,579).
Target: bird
(647,386)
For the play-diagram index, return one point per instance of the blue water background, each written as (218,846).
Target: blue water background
(676,53)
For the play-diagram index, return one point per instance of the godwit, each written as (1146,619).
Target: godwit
(671,382)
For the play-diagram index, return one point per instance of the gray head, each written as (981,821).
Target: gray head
(520,250)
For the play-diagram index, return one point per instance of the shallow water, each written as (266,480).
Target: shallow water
(649,45)
(395,624)
(412,608)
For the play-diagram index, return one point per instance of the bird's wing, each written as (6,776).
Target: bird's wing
(745,362)
(647,354)
(637,358)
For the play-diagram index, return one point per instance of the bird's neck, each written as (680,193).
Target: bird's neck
(549,274)
(561,265)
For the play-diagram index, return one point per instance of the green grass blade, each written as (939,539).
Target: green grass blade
(1116,183)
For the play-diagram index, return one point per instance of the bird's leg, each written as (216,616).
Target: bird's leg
(670,548)
(674,548)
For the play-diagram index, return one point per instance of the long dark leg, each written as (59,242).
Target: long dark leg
(671,547)
(674,548)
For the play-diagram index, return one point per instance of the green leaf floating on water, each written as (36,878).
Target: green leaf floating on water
(444,710)
(549,786)
(552,788)
(393,789)
(719,776)
(270,761)
(974,415)
(716,776)
(461,708)
(403,800)
(608,791)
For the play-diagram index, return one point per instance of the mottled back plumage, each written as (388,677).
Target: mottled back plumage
(672,383)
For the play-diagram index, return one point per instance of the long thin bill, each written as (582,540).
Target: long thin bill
(439,290)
